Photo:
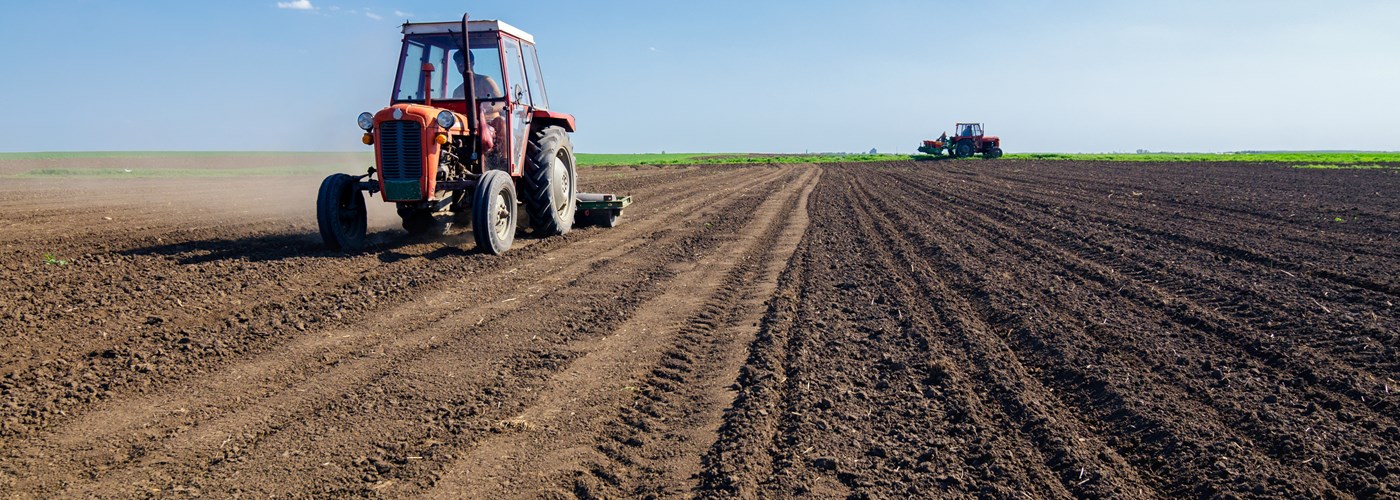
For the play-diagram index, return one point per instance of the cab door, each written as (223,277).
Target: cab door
(518,102)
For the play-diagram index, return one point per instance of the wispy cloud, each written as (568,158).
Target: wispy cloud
(373,16)
(296,5)
(399,13)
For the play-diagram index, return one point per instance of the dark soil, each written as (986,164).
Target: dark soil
(1056,329)
(960,328)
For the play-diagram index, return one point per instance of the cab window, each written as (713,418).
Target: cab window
(444,53)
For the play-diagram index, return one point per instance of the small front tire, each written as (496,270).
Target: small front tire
(493,212)
(340,213)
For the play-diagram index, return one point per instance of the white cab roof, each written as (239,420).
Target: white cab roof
(472,26)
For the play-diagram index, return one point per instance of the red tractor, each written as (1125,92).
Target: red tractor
(469,132)
(968,141)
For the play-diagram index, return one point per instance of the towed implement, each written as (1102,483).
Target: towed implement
(468,132)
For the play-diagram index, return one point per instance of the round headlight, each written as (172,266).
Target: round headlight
(366,121)
(446,119)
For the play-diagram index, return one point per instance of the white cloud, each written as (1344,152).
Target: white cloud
(296,5)
(373,16)
(399,13)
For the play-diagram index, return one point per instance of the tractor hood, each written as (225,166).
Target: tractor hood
(407,144)
(425,116)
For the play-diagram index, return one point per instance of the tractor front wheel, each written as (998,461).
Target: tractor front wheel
(550,183)
(992,154)
(493,212)
(340,213)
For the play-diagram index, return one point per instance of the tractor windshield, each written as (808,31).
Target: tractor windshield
(443,51)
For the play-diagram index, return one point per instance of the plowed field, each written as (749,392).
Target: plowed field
(986,328)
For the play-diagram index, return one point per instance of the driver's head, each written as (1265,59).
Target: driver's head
(464,54)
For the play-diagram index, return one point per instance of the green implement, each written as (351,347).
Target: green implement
(602,210)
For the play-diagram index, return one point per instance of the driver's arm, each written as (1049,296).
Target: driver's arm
(492,89)
(487,88)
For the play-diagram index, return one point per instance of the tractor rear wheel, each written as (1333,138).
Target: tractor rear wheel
(963,149)
(550,182)
(340,213)
(493,212)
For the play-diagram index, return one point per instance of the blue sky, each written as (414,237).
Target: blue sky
(721,76)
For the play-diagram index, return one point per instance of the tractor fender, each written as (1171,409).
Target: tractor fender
(544,118)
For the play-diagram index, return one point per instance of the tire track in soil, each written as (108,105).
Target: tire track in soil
(1004,330)
(632,418)
(168,332)
(247,414)
(170,294)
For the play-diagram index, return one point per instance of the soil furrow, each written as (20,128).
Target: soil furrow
(270,305)
(998,329)
(329,357)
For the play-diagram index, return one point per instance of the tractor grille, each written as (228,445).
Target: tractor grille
(400,150)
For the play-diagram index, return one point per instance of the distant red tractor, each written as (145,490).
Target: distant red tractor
(968,141)
(468,131)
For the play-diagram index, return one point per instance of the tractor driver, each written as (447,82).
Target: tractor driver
(486,88)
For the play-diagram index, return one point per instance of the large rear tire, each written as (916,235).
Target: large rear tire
(963,149)
(340,213)
(550,182)
(493,212)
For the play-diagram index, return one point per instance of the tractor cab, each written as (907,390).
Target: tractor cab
(964,130)
(505,82)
